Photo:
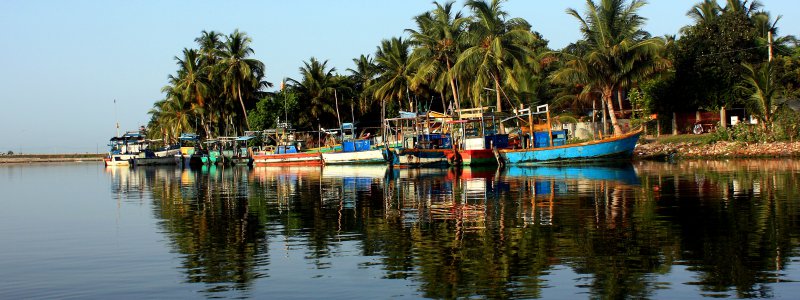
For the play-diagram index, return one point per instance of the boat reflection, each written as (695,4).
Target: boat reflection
(470,197)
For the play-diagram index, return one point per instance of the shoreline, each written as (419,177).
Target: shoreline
(49,158)
(646,150)
(655,150)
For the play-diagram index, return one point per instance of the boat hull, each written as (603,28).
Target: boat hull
(352,158)
(152,161)
(119,160)
(477,157)
(420,157)
(287,159)
(621,146)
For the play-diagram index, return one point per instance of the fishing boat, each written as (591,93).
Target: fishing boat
(354,150)
(240,154)
(285,152)
(477,136)
(160,156)
(550,146)
(190,152)
(124,148)
(419,140)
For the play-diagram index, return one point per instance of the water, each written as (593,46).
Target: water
(725,229)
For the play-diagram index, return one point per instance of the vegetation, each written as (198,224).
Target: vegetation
(481,55)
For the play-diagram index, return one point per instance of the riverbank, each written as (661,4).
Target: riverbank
(47,158)
(688,148)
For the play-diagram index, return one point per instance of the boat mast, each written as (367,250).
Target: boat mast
(115,116)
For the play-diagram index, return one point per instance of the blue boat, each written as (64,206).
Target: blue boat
(613,147)
(545,145)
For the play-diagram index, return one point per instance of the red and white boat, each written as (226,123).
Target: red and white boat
(286,155)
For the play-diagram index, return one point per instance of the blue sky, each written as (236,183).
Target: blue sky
(63,63)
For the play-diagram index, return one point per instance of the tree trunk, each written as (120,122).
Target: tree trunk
(246,122)
(594,121)
(610,103)
(497,91)
(453,87)
(336,98)
(499,103)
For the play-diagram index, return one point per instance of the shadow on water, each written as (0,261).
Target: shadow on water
(720,229)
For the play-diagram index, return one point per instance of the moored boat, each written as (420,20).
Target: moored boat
(354,150)
(419,141)
(286,155)
(478,135)
(163,156)
(124,149)
(286,151)
(550,146)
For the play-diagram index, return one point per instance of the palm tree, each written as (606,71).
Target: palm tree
(762,89)
(364,76)
(742,6)
(619,53)
(705,11)
(315,89)
(192,83)
(496,45)
(438,44)
(210,43)
(396,73)
(241,76)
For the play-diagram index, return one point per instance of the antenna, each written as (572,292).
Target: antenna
(115,116)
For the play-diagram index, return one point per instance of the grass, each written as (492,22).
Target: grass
(682,138)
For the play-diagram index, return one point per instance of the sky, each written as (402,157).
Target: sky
(70,70)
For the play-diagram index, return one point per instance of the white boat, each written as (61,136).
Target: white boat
(354,150)
(374,156)
(152,158)
(124,149)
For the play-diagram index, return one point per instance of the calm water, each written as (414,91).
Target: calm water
(726,229)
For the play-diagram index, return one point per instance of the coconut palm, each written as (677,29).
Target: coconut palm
(364,76)
(191,82)
(315,89)
(618,52)
(705,11)
(210,43)
(496,44)
(396,73)
(241,76)
(437,44)
(743,6)
(762,89)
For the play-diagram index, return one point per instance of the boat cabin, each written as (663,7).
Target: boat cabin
(131,142)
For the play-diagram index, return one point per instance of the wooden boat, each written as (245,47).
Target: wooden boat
(164,156)
(285,152)
(613,147)
(354,150)
(550,146)
(419,141)
(478,135)
(286,155)
(190,153)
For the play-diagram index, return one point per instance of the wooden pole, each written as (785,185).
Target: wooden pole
(549,128)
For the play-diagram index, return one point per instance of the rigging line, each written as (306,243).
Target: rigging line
(733,51)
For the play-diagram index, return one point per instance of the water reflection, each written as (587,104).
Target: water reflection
(620,230)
